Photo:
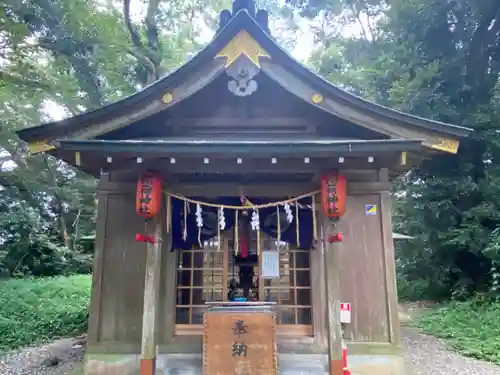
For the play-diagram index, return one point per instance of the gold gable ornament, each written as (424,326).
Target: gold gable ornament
(446,145)
(39,146)
(243,44)
(242,56)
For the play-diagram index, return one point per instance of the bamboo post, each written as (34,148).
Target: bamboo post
(151,296)
(332,287)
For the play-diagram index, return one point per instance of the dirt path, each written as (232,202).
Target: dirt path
(424,354)
(428,356)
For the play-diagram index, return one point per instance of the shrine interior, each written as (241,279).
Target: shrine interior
(224,270)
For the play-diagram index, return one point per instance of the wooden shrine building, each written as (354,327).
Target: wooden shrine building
(242,200)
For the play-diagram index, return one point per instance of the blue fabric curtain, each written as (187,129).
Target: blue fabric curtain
(267,217)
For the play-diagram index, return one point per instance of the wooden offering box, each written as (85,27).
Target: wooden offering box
(240,339)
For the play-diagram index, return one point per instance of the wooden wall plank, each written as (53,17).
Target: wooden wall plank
(362,270)
(97,269)
(167,292)
(389,263)
(318,293)
(123,279)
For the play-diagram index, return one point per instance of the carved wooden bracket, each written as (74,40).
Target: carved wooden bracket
(243,72)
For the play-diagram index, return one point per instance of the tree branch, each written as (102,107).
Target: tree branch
(152,29)
(144,60)
(85,71)
(150,56)
(136,39)
(357,13)
(59,203)
(370,26)
(6,78)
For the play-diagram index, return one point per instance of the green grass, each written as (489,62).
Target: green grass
(39,310)
(472,328)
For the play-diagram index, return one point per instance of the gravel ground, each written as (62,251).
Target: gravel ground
(428,356)
(425,355)
(57,358)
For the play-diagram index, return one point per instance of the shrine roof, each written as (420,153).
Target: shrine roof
(219,159)
(173,146)
(242,33)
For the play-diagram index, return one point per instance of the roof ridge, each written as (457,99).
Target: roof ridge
(260,16)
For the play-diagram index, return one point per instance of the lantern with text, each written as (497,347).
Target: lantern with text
(333,194)
(148,198)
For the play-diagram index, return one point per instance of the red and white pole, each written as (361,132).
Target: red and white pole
(344,359)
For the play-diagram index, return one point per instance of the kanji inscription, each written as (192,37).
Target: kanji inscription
(239,343)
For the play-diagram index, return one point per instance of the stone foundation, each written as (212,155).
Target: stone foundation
(377,365)
(290,364)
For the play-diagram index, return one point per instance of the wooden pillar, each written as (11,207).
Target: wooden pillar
(151,298)
(332,288)
(389,261)
(225,266)
(98,266)
(262,294)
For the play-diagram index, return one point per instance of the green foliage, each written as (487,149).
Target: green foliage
(440,60)
(432,58)
(61,58)
(420,289)
(34,311)
(472,328)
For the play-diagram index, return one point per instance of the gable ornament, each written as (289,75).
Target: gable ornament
(242,73)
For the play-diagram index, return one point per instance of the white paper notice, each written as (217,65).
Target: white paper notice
(345,313)
(270,265)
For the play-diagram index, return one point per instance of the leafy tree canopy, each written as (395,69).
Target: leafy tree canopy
(434,58)
(441,60)
(63,57)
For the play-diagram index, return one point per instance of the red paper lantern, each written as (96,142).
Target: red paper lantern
(334,194)
(148,197)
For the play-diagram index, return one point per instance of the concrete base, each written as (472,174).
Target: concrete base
(377,364)
(289,364)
